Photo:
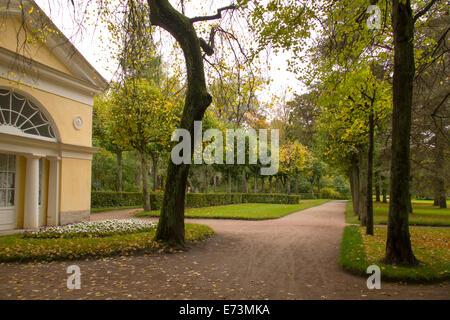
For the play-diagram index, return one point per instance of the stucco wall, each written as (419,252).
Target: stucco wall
(38,51)
(75,185)
(62,110)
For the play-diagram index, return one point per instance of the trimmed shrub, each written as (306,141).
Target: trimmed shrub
(105,199)
(328,193)
(100,199)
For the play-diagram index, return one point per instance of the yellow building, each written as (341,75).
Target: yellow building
(46,96)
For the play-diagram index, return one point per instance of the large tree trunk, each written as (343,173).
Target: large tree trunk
(145,193)
(354,184)
(362,206)
(369,205)
(119,171)
(171,222)
(398,245)
(155,172)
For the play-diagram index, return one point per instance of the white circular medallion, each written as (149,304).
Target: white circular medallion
(77,122)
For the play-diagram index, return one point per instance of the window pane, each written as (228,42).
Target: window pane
(11,180)
(2,198)
(3,180)
(10,199)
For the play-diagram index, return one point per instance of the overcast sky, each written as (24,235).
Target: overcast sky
(96,51)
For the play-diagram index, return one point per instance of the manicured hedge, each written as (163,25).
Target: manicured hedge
(104,199)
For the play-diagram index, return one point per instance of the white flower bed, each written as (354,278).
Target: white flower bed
(92,229)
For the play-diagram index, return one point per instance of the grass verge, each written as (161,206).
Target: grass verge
(431,246)
(424,214)
(246,211)
(98,210)
(17,248)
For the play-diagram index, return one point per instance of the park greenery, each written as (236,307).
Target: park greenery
(372,119)
(19,248)
(247,211)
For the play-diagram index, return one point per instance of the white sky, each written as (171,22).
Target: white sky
(96,51)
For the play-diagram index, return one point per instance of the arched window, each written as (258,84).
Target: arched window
(20,116)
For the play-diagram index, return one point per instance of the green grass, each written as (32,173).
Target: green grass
(17,248)
(430,245)
(98,210)
(246,211)
(424,214)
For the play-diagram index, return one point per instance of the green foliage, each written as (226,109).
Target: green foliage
(430,245)
(16,248)
(424,214)
(102,199)
(105,199)
(328,193)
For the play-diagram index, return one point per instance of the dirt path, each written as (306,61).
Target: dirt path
(294,257)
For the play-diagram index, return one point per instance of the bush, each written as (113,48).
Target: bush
(328,193)
(105,199)
(100,199)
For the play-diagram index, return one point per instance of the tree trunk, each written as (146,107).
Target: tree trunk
(369,205)
(119,171)
(171,222)
(354,184)
(215,184)
(206,181)
(145,193)
(384,192)
(377,188)
(398,245)
(244,181)
(262,185)
(255,187)
(228,181)
(155,172)
(362,207)
(270,184)
(237,184)
(288,183)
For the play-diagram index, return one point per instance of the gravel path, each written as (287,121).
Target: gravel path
(294,257)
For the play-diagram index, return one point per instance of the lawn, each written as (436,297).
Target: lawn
(19,248)
(424,214)
(246,211)
(430,245)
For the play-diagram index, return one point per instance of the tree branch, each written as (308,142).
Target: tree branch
(424,10)
(218,15)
